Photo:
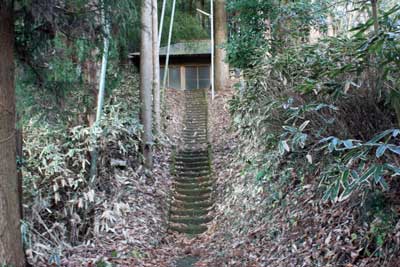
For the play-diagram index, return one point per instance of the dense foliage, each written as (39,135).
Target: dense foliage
(321,111)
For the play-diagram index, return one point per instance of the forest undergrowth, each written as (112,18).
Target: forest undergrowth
(117,218)
(308,171)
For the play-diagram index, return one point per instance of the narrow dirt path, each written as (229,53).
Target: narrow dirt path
(193,186)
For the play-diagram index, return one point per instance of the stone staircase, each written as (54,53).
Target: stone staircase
(193,185)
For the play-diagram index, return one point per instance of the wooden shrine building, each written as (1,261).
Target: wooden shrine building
(189,65)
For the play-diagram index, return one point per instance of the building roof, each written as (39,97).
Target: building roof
(200,47)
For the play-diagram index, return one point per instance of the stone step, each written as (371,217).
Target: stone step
(191,205)
(192,198)
(192,180)
(192,174)
(192,169)
(186,168)
(191,219)
(196,112)
(185,159)
(190,114)
(195,141)
(192,138)
(191,229)
(190,123)
(188,212)
(195,117)
(194,130)
(188,137)
(195,135)
(201,125)
(195,127)
(192,152)
(192,164)
(193,192)
(193,185)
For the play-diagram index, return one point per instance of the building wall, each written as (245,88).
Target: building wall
(187,76)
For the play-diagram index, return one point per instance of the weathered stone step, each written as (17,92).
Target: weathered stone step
(192,198)
(192,164)
(188,123)
(191,219)
(185,168)
(194,131)
(185,159)
(192,169)
(191,205)
(195,117)
(195,138)
(192,174)
(193,192)
(201,123)
(195,128)
(195,120)
(191,229)
(188,212)
(192,152)
(195,142)
(192,142)
(195,112)
(187,180)
(193,185)
(201,136)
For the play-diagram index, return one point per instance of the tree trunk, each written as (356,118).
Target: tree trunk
(11,251)
(374,4)
(156,69)
(221,68)
(102,85)
(146,81)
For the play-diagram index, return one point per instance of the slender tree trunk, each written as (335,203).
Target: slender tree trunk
(11,251)
(221,68)
(146,81)
(374,4)
(156,69)
(102,85)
